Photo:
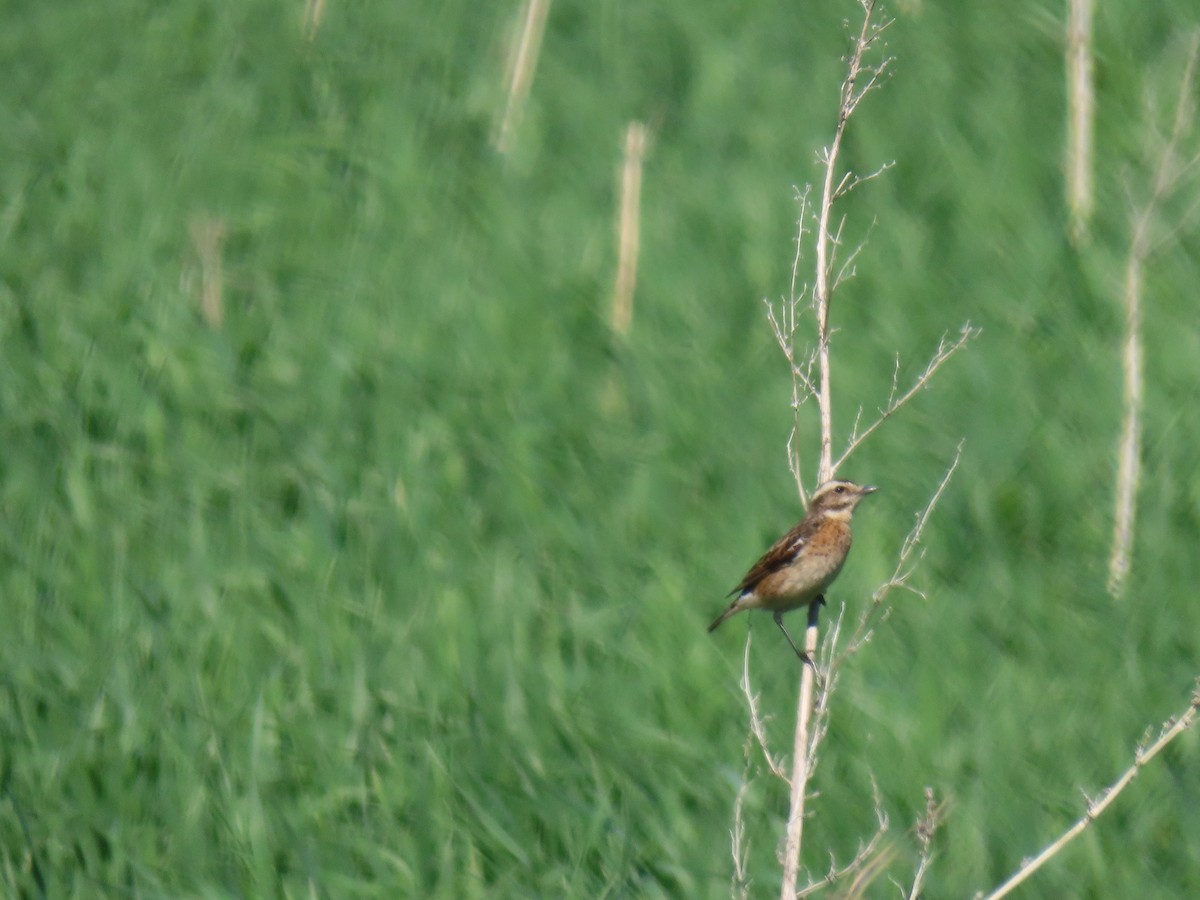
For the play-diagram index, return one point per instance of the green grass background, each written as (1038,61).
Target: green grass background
(395,584)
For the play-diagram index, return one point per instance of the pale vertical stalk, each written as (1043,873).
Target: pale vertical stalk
(208,237)
(1129,449)
(851,94)
(1080,114)
(812,707)
(314,12)
(800,761)
(521,65)
(1167,174)
(628,228)
(821,300)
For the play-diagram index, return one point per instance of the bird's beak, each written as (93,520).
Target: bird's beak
(869,489)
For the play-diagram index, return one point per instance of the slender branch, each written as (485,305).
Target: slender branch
(847,270)
(851,181)
(811,378)
(868,855)
(1171,729)
(784,326)
(800,761)
(852,93)
(926,828)
(737,835)
(945,349)
(905,565)
(758,722)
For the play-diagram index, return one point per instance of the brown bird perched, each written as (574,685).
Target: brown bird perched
(803,563)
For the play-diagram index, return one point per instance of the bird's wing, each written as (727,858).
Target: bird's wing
(782,552)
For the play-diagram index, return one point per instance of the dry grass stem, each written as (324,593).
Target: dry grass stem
(314,12)
(801,762)
(757,720)
(208,237)
(860,80)
(784,327)
(522,63)
(628,227)
(945,349)
(1171,729)
(827,681)
(869,861)
(1081,102)
(739,847)
(1169,170)
(811,379)
(905,566)
(926,828)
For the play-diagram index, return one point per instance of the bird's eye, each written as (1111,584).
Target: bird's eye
(839,489)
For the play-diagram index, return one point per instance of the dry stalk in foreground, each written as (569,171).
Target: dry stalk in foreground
(1169,171)
(926,828)
(834,655)
(854,89)
(860,79)
(830,273)
(740,885)
(1171,729)
(869,862)
(906,564)
(811,378)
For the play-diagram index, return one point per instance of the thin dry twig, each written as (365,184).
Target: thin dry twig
(860,79)
(945,349)
(872,856)
(740,886)
(1171,729)
(758,725)
(784,327)
(811,378)
(925,829)
(905,566)
(854,89)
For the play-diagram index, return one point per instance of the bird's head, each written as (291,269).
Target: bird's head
(838,498)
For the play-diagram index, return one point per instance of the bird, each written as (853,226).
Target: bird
(801,565)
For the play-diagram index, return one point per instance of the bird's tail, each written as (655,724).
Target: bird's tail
(733,607)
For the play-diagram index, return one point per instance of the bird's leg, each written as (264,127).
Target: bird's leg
(804,658)
(814,616)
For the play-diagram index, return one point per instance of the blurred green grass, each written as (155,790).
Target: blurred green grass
(395,583)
